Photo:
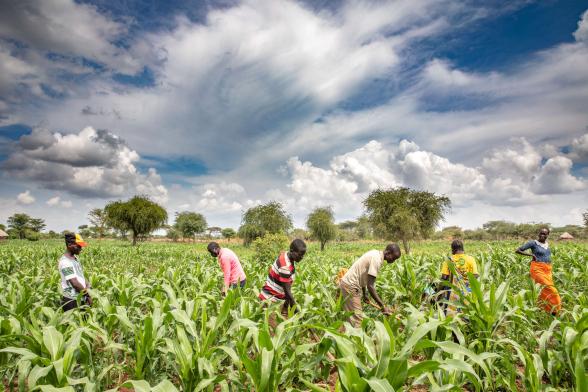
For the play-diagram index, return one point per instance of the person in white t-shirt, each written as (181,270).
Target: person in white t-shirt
(73,281)
(361,279)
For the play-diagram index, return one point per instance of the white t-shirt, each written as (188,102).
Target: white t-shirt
(68,269)
(368,264)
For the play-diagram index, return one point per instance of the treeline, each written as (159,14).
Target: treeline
(397,214)
(504,230)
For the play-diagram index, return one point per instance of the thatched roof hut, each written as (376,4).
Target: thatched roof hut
(566,236)
(3,235)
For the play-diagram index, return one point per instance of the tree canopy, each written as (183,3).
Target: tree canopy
(97,218)
(228,233)
(190,223)
(22,225)
(321,223)
(270,218)
(139,215)
(405,214)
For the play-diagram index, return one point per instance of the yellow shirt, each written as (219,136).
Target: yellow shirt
(463,264)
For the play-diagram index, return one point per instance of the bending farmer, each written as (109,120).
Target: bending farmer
(455,270)
(278,286)
(361,278)
(229,262)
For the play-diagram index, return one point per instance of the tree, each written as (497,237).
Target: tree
(2,227)
(321,224)
(404,213)
(19,224)
(585,218)
(270,218)
(84,231)
(172,233)
(97,218)
(228,233)
(37,225)
(190,223)
(139,215)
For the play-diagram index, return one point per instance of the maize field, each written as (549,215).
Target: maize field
(159,323)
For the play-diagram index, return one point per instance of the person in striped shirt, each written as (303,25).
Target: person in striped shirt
(278,285)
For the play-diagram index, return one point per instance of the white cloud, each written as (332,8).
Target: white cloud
(25,198)
(68,28)
(579,149)
(90,163)
(581,34)
(56,201)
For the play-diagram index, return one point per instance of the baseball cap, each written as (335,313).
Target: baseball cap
(74,238)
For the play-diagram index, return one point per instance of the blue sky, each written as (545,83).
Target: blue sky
(215,106)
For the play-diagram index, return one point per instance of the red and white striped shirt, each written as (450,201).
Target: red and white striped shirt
(281,271)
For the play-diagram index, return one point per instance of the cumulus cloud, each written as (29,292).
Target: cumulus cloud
(513,175)
(223,196)
(25,198)
(56,201)
(579,149)
(91,163)
(581,34)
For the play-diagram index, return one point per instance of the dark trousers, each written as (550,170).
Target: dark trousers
(241,284)
(69,304)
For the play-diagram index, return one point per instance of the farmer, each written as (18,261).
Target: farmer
(73,281)
(541,271)
(278,286)
(361,278)
(229,262)
(455,270)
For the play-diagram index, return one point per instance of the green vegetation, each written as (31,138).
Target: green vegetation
(139,215)
(270,218)
(321,223)
(190,224)
(23,226)
(159,323)
(405,214)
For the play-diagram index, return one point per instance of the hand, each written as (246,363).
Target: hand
(89,300)
(387,311)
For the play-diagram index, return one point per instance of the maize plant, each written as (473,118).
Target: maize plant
(160,323)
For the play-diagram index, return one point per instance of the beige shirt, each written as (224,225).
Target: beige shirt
(368,264)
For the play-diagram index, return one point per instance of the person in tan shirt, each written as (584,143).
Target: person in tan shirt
(361,278)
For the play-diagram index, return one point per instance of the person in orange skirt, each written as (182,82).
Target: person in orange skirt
(541,271)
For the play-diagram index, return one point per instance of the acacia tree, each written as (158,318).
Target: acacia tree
(270,218)
(228,233)
(321,224)
(21,224)
(139,215)
(97,218)
(190,223)
(405,214)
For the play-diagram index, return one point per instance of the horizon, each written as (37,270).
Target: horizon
(218,106)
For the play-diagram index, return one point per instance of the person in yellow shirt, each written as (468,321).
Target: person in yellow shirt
(458,275)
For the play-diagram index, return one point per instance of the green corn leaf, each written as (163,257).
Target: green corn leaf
(380,385)
(421,368)
(164,386)
(397,372)
(418,333)
(383,352)
(312,386)
(349,377)
(36,374)
(26,354)
(53,341)
(51,388)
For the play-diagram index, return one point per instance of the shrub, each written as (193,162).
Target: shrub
(32,235)
(268,247)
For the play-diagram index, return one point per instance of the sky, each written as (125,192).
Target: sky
(217,106)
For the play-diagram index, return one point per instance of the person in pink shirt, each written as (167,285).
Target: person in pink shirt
(231,266)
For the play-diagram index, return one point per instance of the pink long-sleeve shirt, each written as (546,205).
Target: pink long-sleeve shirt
(231,266)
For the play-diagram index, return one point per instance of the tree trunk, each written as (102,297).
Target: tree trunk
(406,246)
(322,246)
(134,238)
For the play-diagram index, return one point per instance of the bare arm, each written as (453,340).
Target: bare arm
(371,286)
(289,302)
(81,288)
(365,294)
(520,252)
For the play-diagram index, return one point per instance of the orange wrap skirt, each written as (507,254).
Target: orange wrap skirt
(549,297)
